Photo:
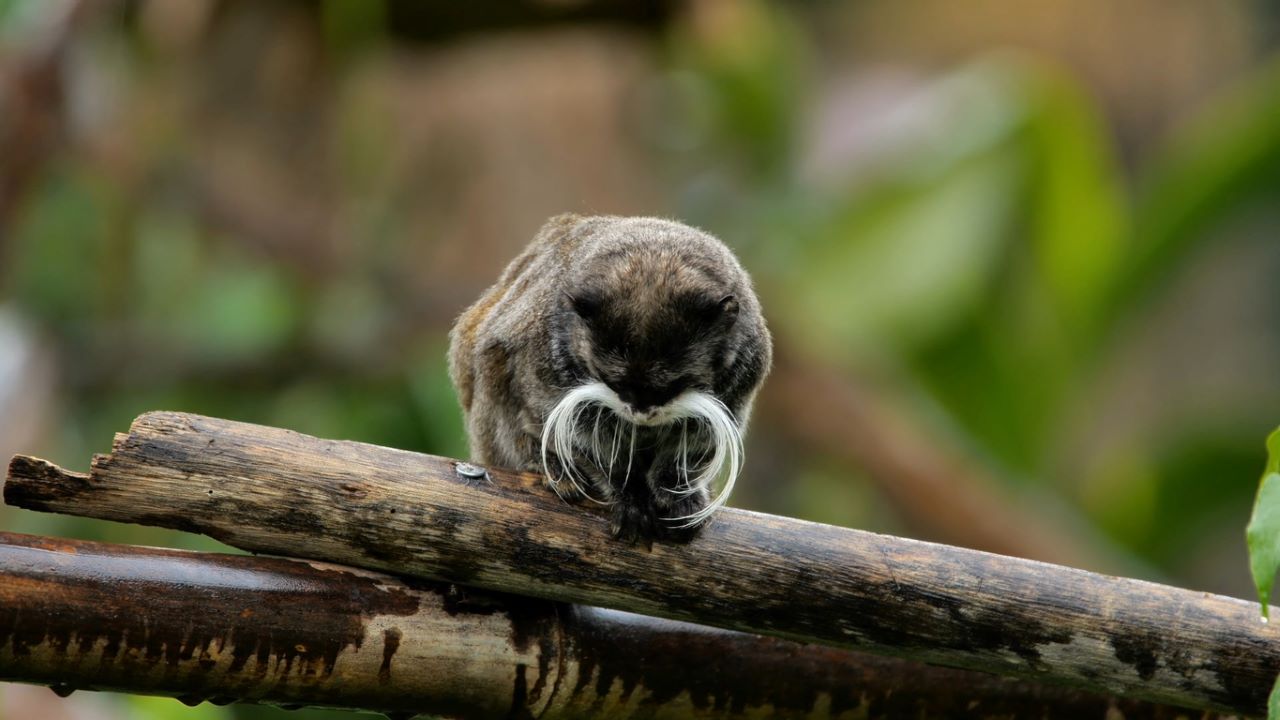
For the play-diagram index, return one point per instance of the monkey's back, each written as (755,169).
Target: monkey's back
(499,344)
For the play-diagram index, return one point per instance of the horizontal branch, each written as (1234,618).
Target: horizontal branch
(275,491)
(225,628)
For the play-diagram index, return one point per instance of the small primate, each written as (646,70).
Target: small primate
(620,356)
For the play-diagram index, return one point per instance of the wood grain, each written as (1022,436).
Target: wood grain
(275,491)
(79,615)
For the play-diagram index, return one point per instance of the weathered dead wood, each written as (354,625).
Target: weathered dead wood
(276,491)
(226,628)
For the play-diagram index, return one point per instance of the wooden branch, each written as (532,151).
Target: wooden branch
(225,628)
(276,491)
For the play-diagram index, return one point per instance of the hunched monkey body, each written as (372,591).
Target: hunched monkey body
(620,356)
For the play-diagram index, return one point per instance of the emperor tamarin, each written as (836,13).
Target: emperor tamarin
(620,356)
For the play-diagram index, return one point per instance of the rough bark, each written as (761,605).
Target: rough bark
(78,615)
(276,491)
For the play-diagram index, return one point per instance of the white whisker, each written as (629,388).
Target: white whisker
(559,432)
(631,453)
(684,487)
(684,451)
(615,446)
(595,440)
(721,452)
(726,456)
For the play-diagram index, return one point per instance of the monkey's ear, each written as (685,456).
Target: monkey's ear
(717,312)
(728,307)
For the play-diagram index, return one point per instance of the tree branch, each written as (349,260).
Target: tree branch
(225,628)
(275,491)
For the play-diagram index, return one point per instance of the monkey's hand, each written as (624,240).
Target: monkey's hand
(660,516)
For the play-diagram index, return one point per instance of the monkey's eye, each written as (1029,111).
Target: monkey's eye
(606,367)
(685,382)
(586,305)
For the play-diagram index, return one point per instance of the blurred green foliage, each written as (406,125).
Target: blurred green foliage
(1001,259)
(1225,159)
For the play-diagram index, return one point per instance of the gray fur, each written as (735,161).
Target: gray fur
(650,307)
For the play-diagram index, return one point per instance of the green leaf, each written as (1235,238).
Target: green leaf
(1273,452)
(1263,533)
(1273,702)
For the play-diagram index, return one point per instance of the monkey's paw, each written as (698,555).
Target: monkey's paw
(674,522)
(557,479)
(640,522)
(634,522)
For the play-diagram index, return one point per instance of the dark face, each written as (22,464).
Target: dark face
(649,356)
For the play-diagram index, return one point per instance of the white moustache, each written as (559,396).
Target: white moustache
(560,434)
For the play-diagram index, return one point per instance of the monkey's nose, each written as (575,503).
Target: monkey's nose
(641,398)
(640,404)
(633,400)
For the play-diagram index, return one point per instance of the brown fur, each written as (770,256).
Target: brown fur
(648,306)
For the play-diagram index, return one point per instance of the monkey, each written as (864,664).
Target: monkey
(619,356)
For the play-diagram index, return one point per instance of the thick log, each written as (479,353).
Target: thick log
(276,491)
(78,615)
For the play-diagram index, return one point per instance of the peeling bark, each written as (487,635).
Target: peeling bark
(79,615)
(275,491)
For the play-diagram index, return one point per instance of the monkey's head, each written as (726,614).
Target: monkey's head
(658,326)
(654,314)
(650,351)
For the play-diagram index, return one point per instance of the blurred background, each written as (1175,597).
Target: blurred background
(1021,260)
